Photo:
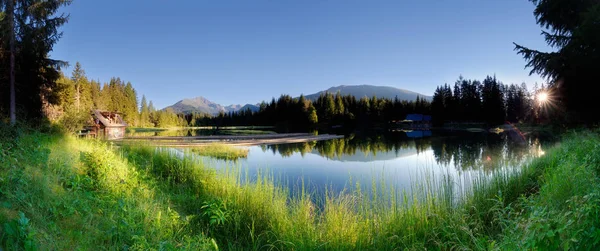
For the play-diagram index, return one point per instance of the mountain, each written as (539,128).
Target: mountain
(232,108)
(253,108)
(203,105)
(360,91)
(198,105)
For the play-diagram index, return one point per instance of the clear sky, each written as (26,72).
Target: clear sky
(238,52)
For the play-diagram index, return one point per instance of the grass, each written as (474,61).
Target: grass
(58,192)
(221,151)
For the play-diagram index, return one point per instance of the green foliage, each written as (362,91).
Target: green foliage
(60,193)
(565,214)
(36,31)
(167,119)
(18,235)
(488,102)
(144,120)
(215,213)
(572,30)
(77,96)
(221,151)
(55,188)
(300,114)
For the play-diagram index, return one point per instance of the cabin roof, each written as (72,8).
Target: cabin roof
(104,118)
(417,117)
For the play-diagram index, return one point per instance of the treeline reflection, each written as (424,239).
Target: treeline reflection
(464,151)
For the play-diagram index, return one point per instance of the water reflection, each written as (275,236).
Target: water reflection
(395,159)
(463,151)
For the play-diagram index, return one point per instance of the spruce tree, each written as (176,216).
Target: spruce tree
(572,29)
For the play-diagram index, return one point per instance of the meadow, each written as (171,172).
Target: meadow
(58,192)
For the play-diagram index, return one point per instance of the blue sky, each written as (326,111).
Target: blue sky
(237,52)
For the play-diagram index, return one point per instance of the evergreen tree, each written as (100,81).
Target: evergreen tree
(339,104)
(144,113)
(573,28)
(438,107)
(130,105)
(79,80)
(313,119)
(457,97)
(32,30)
(95,94)
(471,99)
(492,101)
(330,109)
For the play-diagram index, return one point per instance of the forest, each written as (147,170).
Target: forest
(469,101)
(77,96)
(328,110)
(488,101)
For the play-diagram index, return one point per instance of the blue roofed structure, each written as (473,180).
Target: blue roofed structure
(414,117)
(415,121)
(418,117)
(418,134)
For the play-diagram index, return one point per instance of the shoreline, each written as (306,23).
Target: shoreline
(232,140)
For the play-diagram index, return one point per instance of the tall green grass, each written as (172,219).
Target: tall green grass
(221,151)
(59,193)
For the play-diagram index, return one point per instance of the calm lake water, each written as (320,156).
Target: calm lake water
(398,159)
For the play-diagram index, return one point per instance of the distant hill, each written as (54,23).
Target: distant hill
(253,108)
(203,105)
(233,108)
(360,91)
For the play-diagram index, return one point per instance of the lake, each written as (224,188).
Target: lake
(393,159)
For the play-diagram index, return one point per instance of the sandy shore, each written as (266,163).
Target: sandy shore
(237,140)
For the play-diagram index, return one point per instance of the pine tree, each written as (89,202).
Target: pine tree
(329,105)
(438,107)
(458,105)
(95,94)
(339,104)
(32,31)
(130,105)
(144,113)
(573,28)
(78,76)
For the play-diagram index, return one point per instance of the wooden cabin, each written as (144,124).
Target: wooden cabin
(105,125)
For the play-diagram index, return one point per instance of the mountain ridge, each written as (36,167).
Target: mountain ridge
(360,91)
(203,105)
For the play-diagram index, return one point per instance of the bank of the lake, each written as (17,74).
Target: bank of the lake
(199,131)
(58,192)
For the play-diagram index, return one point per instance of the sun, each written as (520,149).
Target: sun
(543,97)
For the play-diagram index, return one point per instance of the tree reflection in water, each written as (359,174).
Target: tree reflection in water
(463,150)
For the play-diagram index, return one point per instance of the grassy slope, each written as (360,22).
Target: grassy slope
(60,193)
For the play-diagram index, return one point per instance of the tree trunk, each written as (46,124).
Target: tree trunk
(11,33)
